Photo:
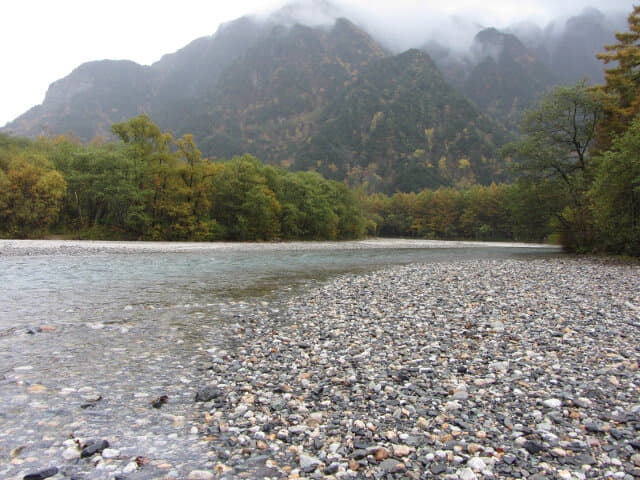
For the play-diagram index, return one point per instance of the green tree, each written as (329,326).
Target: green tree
(531,206)
(615,195)
(555,149)
(101,189)
(243,204)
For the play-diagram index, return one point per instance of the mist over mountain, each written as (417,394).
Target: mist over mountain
(314,85)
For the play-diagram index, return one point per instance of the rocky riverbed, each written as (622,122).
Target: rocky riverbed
(454,370)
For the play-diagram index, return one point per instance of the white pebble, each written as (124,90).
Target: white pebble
(110,453)
(552,403)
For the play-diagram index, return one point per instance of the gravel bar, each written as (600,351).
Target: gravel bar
(467,370)
(459,370)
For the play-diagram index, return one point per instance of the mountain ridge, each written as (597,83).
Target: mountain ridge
(282,92)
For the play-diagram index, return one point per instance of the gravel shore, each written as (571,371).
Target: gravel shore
(82,247)
(479,369)
(455,370)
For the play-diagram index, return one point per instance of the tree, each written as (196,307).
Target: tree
(101,189)
(242,202)
(615,195)
(531,205)
(622,81)
(31,195)
(555,150)
(445,213)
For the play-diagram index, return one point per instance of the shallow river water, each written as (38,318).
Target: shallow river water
(116,325)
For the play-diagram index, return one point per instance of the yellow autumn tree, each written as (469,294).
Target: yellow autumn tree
(622,81)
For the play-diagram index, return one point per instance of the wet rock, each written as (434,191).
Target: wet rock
(92,448)
(42,474)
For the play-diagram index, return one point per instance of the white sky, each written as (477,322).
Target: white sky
(44,40)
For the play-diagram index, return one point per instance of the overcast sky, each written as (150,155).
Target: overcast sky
(44,40)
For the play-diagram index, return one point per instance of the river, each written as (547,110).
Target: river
(117,324)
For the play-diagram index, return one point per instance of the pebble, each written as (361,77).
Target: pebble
(71,453)
(208,393)
(130,468)
(402,450)
(476,464)
(388,350)
(110,453)
(466,474)
(308,462)
(200,475)
(392,466)
(552,403)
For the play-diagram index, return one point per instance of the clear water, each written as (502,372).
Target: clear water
(58,288)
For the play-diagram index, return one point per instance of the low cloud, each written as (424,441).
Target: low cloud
(412,23)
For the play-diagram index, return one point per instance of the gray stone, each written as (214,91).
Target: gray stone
(391,465)
(208,393)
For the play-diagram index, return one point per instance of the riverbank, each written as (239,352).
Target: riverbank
(79,247)
(485,368)
(481,369)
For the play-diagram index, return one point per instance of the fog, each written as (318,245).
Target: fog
(44,41)
(406,24)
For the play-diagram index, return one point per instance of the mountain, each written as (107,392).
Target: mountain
(294,96)
(325,95)
(89,100)
(97,94)
(185,77)
(505,72)
(569,47)
(269,101)
(508,78)
(401,125)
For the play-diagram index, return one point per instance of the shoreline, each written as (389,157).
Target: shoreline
(78,246)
